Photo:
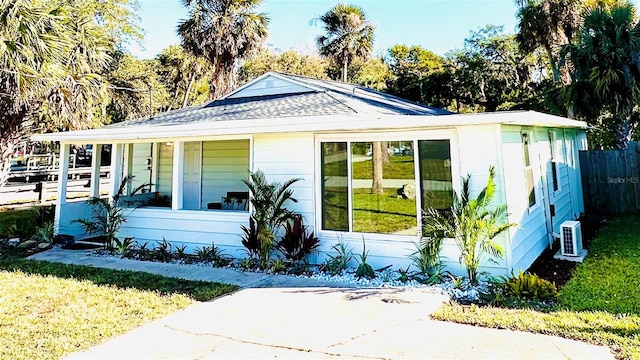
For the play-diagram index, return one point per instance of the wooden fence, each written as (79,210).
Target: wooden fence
(611,180)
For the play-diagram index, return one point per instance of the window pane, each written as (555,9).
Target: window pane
(530,189)
(383,185)
(435,174)
(335,186)
(525,147)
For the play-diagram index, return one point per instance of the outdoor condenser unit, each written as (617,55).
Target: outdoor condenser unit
(571,238)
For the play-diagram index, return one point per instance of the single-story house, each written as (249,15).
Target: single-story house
(322,132)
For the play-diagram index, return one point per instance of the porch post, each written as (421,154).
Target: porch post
(178,174)
(117,151)
(63,173)
(96,159)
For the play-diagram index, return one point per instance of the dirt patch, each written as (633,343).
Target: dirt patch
(560,271)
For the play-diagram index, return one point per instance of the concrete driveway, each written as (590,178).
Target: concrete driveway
(325,323)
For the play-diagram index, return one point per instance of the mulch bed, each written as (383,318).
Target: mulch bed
(560,271)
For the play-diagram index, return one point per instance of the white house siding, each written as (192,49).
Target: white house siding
(71,211)
(285,156)
(140,164)
(478,148)
(224,165)
(270,85)
(193,228)
(165,169)
(531,237)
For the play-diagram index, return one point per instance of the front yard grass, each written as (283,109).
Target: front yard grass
(600,304)
(49,310)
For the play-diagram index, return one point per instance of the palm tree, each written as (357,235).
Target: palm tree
(223,31)
(51,56)
(472,223)
(548,24)
(348,35)
(606,71)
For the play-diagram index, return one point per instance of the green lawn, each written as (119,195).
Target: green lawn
(399,167)
(600,304)
(50,310)
(383,214)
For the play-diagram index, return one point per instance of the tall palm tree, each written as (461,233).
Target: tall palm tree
(223,31)
(348,35)
(606,71)
(548,24)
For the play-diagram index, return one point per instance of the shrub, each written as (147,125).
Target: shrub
(336,264)
(529,286)
(297,243)
(364,269)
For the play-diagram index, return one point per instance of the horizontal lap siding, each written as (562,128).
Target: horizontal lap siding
(140,164)
(286,156)
(165,169)
(191,228)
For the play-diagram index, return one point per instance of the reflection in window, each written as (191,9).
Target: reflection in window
(528,170)
(435,174)
(335,186)
(384,196)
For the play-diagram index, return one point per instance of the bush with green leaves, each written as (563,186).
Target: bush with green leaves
(110,214)
(364,270)
(268,200)
(529,286)
(335,264)
(473,223)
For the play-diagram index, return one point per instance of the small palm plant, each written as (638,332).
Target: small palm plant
(109,215)
(472,223)
(269,212)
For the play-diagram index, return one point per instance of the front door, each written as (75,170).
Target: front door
(192,175)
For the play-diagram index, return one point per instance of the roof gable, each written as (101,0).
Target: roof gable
(269,84)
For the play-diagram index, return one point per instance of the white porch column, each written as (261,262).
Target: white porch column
(96,159)
(178,175)
(63,173)
(117,153)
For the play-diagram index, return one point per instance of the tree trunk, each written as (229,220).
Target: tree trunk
(624,132)
(9,138)
(344,71)
(377,187)
(385,152)
(185,101)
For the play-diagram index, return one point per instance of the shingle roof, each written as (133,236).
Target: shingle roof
(324,97)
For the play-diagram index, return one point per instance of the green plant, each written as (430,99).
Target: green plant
(269,213)
(278,265)
(404,275)
(144,253)
(297,243)
(247,263)
(364,269)
(471,223)
(121,248)
(162,252)
(218,256)
(44,233)
(181,252)
(530,286)
(335,264)
(110,214)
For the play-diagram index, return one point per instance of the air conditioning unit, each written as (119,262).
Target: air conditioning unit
(571,238)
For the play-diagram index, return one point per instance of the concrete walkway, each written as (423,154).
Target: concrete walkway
(277,316)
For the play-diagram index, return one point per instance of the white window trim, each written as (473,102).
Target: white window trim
(555,160)
(414,136)
(536,205)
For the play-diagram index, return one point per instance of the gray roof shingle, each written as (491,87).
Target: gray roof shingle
(325,97)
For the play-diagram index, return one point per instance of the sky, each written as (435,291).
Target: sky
(437,25)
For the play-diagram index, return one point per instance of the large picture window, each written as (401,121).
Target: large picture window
(377,187)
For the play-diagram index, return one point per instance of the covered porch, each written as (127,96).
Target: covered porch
(191,190)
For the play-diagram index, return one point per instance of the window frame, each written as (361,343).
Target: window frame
(527,153)
(414,137)
(555,162)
